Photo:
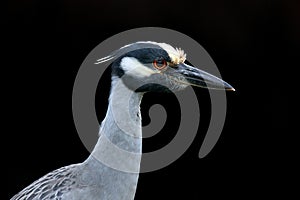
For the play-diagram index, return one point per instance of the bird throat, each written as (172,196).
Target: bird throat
(120,142)
(117,154)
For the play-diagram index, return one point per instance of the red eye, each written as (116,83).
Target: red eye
(159,64)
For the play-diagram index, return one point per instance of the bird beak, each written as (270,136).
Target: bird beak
(196,77)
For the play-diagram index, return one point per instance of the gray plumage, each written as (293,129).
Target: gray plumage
(92,179)
(111,171)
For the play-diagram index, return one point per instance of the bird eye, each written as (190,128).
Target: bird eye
(159,64)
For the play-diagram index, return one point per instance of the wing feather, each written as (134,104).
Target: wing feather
(51,186)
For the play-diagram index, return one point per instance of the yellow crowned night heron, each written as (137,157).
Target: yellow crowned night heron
(136,68)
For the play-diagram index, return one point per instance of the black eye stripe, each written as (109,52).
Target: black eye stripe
(148,55)
(160,60)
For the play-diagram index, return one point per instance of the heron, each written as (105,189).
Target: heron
(137,68)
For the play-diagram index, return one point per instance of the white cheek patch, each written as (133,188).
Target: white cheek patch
(133,67)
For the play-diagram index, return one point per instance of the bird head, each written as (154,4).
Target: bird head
(151,66)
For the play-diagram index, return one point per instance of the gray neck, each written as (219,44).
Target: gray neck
(117,154)
(122,123)
(121,129)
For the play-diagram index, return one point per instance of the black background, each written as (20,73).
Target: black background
(252,42)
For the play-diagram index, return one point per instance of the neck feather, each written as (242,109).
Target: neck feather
(120,141)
